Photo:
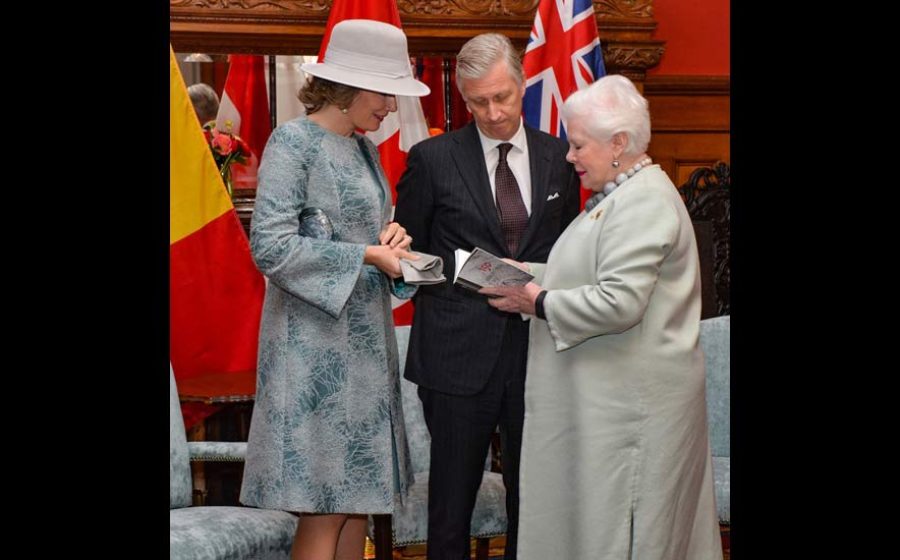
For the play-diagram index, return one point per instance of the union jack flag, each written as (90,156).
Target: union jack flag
(562,56)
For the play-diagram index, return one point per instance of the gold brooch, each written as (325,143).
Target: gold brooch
(596,215)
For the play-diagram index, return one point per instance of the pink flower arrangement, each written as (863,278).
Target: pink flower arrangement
(227,148)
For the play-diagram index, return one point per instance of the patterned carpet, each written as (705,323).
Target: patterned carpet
(417,552)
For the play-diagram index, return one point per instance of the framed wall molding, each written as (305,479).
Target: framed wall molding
(434,27)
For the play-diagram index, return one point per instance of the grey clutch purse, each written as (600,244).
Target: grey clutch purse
(314,223)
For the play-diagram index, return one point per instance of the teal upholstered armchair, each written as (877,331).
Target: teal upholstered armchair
(715,340)
(409,524)
(216,532)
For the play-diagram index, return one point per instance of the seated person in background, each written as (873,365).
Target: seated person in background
(205,102)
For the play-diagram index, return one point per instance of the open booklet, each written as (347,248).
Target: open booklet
(479,269)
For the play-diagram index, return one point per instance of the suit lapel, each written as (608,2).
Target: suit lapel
(539,165)
(469,159)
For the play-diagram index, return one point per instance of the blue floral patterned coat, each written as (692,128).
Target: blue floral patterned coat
(327,433)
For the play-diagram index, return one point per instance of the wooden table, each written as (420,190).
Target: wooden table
(230,397)
(216,388)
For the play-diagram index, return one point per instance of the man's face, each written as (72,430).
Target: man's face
(495,101)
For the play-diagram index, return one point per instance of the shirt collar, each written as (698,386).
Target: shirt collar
(518,140)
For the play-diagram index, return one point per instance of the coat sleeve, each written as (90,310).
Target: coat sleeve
(537,270)
(638,233)
(402,290)
(320,272)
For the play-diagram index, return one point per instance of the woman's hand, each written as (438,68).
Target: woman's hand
(387,259)
(513,299)
(394,236)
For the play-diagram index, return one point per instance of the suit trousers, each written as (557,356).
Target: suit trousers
(461,427)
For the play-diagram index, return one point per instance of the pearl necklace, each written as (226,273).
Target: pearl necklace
(609,187)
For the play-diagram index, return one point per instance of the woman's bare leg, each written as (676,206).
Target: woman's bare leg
(352,542)
(317,536)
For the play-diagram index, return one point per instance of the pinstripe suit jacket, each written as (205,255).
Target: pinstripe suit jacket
(444,201)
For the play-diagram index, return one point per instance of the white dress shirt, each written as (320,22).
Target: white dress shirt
(517,158)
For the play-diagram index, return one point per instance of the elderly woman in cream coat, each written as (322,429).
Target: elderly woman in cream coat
(615,454)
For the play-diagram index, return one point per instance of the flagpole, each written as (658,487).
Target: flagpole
(448,117)
(273,110)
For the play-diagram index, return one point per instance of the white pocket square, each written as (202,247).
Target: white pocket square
(552,196)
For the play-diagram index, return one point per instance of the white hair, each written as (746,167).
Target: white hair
(611,105)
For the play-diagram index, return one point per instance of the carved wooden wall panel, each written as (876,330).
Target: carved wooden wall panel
(707,195)
(435,27)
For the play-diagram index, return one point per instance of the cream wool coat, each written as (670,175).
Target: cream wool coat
(615,458)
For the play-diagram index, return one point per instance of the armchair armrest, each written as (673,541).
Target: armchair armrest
(235,451)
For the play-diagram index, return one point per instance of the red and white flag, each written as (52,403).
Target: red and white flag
(245,108)
(400,130)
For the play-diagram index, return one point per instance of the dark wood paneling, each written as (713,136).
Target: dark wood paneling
(688,85)
(691,122)
(694,113)
(680,153)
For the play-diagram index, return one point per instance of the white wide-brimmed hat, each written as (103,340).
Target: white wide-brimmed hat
(368,54)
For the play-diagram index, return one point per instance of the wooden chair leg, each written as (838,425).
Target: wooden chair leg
(725,532)
(384,539)
(198,468)
(482,549)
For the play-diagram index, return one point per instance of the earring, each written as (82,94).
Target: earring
(615,163)
(345,111)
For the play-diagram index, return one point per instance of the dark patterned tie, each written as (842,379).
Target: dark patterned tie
(513,215)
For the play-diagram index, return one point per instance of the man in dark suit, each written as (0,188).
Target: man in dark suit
(507,188)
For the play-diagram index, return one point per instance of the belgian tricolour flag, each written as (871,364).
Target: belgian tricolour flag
(216,291)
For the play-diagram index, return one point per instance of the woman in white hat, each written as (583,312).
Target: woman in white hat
(327,437)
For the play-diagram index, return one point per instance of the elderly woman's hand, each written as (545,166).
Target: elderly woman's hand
(513,299)
(394,235)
